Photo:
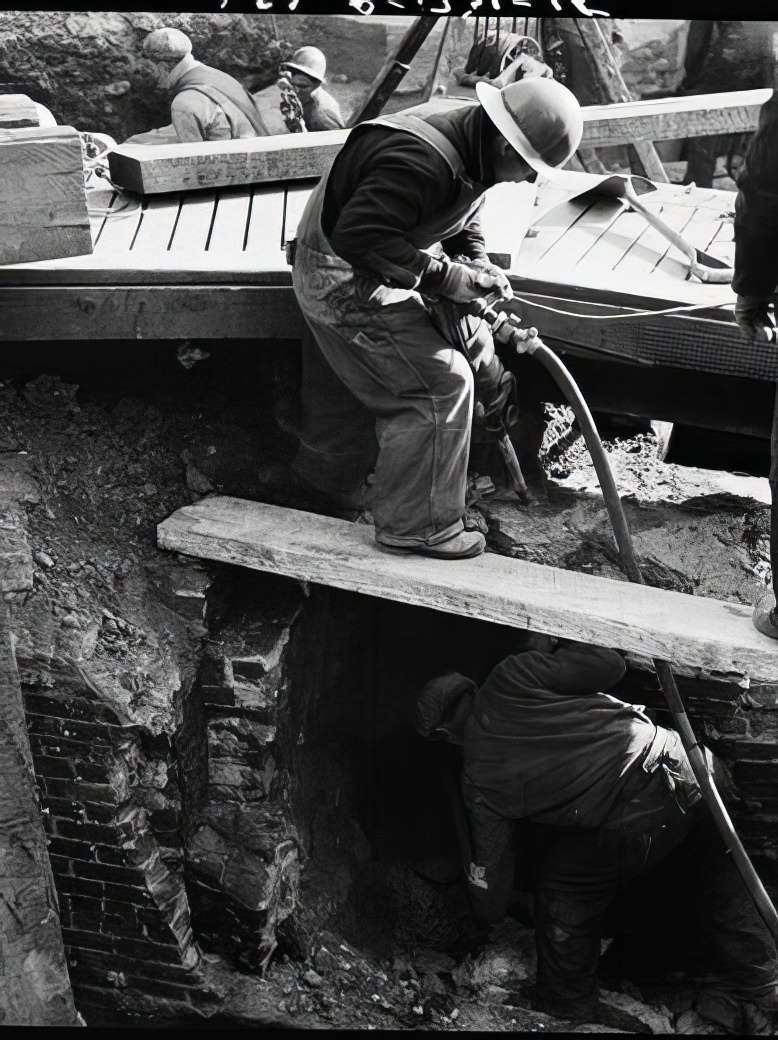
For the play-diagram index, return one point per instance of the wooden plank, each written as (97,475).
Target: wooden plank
(576,245)
(118,231)
(194,224)
(609,249)
(698,633)
(230,225)
(150,312)
(296,201)
(264,242)
(43,210)
(157,222)
(34,983)
(549,229)
(673,119)
(153,169)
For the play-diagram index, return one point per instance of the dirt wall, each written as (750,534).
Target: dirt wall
(88,67)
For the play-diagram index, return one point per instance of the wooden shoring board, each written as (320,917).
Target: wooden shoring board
(691,631)
(159,311)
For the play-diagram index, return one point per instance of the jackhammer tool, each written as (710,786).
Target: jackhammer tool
(526,341)
(488,392)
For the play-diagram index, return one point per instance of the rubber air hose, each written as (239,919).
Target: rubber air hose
(527,341)
(564,380)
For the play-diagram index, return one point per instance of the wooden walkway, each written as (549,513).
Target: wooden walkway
(694,632)
(211,264)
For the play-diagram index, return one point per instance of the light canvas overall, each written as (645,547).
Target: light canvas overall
(381,384)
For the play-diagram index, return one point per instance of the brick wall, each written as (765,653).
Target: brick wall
(124,911)
(242,851)
(739,725)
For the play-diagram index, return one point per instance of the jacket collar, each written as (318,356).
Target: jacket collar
(466,129)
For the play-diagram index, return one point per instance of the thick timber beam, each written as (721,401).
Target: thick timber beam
(710,635)
(154,169)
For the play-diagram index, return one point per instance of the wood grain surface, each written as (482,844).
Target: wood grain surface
(691,631)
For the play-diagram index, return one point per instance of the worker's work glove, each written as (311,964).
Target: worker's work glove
(754,320)
(464,283)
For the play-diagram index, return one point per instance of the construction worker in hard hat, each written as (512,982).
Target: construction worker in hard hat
(381,383)
(206,104)
(306,70)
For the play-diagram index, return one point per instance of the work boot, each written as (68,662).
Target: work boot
(765,616)
(460,547)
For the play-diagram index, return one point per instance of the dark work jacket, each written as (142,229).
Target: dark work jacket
(756,210)
(386,183)
(544,744)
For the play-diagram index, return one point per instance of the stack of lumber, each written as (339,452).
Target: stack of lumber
(43,212)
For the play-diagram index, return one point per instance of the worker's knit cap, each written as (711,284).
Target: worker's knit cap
(444,706)
(539,117)
(167,43)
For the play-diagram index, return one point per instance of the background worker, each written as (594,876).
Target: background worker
(608,796)
(206,104)
(755,282)
(381,383)
(306,70)
(722,56)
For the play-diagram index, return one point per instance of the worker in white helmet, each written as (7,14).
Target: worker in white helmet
(306,70)
(382,384)
(206,105)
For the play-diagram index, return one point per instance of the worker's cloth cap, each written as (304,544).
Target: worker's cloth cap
(167,43)
(539,117)
(309,60)
(444,706)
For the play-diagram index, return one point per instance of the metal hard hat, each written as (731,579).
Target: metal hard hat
(539,117)
(309,60)
(167,43)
